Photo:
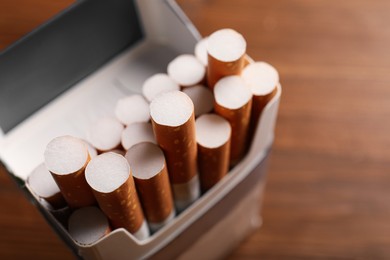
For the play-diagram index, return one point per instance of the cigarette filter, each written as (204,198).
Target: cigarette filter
(157,84)
(226,55)
(91,150)
(132,109)
(186,70)
(213,134)
(88,225)
(262,80)
(43,185)
(201,51)
(137,133)
(233,101)
(66,158)
(105,134)
(173,123)
(151,179)
(110,178)
(202,97)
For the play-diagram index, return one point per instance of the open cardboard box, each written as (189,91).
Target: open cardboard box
(72,71)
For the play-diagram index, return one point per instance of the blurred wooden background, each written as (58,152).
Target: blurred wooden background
(328,190)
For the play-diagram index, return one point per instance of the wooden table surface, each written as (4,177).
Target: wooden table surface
(328,190)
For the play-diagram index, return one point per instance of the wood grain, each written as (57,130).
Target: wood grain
(328,190)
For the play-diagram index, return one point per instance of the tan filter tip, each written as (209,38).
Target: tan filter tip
(151,178)
(105,134)
(212,131)
(261,78)
(226,45)
(157,84)
(232,92)
(213,135)
(87,225)
(107,172)
(171,109)
(186,70)
(65,155)
(146,160)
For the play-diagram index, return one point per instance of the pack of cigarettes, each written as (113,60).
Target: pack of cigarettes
(151,141)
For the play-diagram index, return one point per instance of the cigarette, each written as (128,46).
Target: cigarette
(201,51)
(43,185)
(88,225)
(91,150)
(186,70)
(202,97)
(66,158)
(233,101)
(137,133)
(105,134)
(173,124)
(226,55)
(132,109)
(157,84)
(262,80)
(119,151)
(110,178)
(151,179)
(213,134)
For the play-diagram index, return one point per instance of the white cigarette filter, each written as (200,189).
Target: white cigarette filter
(186,70)
(226,55)
(66,158)
(105,134)
(213,135)
(132,109)
(157,84)
(201,51)
(137,133)
(43,185)
(91,150)
(233,101)
(173,124)
(88,225)
(262,80)
(152,181)
(110,178)
(202,97)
